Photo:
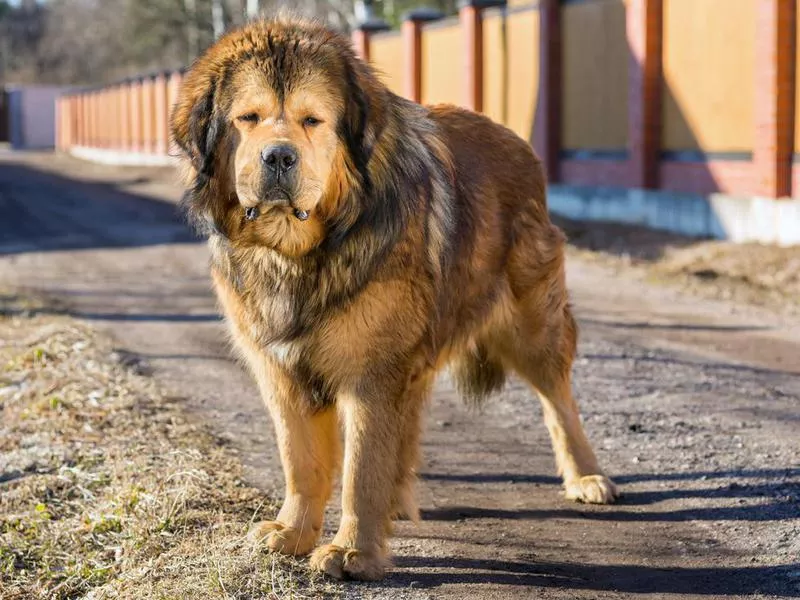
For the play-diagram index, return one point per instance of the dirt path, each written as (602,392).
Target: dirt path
(693,407)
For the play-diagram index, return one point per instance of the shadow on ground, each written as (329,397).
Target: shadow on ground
(780,504)
(779,497)
(621,239)
(636,579)
(42,211)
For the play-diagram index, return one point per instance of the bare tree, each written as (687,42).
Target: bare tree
(98,41)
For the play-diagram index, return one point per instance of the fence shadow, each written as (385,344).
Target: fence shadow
(43,211)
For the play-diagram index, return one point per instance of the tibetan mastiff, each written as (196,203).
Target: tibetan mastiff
(361,242)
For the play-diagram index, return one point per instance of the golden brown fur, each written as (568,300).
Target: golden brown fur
(402,239)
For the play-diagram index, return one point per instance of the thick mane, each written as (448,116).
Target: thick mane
(395,170)
(328,277)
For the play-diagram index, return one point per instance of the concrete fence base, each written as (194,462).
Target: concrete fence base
(122,158)
(718,216)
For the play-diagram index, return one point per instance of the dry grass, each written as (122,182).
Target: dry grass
(107,490)
(756,274)
(753,273)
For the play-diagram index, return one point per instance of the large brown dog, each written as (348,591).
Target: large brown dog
(361,242)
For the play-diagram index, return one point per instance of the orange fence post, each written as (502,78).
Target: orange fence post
(115,116)
(88,111)
(78,119)
(173,89)
(547,129)
(103,118)
(148,116)
(361,36)
(87,133)
(125,116)
(111,118)
(161,107)
(135,108)
(96,114)
(411,30)
(644,29)
(775,96)
(82,118)
(360,39)
(87,117)
(470,14)
(97,117)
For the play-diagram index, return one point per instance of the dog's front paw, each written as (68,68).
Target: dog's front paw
(592,489)
(284,539)
(349,563)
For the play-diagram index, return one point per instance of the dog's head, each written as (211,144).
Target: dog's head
(277,122)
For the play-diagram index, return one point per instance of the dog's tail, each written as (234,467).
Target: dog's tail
(477,375)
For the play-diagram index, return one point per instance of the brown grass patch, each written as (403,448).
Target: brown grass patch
(108,490)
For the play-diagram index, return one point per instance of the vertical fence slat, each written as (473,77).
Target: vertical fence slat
(547,131)
(136,115)
(147,114)
(774,101)
(411,30)
(126,141)
(161,107)
(644,28)
(173,88)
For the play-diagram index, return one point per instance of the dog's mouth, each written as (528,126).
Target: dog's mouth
(283,204)
(278,196)
(251,213)
(276,200)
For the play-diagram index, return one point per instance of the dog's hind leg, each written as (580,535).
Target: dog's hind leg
(404,503)
(541,350)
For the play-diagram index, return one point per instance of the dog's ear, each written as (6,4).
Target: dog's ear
(197,126)
(358,128)
(196,122)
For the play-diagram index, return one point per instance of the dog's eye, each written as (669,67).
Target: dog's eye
(311,122)
(248,118)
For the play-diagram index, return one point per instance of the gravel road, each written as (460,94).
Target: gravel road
(693,407)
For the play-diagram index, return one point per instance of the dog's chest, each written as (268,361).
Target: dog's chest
(270,306)
(298,362)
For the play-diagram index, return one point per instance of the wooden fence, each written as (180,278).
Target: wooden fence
(691,96)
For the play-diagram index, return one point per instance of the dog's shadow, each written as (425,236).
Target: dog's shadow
(633,579)
(776,489)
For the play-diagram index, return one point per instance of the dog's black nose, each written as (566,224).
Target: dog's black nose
(279,159)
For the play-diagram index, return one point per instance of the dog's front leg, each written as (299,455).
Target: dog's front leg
(373,435)
(308,441)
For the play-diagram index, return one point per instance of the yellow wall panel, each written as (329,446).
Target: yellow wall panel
(386,56)
(494,68)
(595,75)
(709,74)
(522,30)
(442,64)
